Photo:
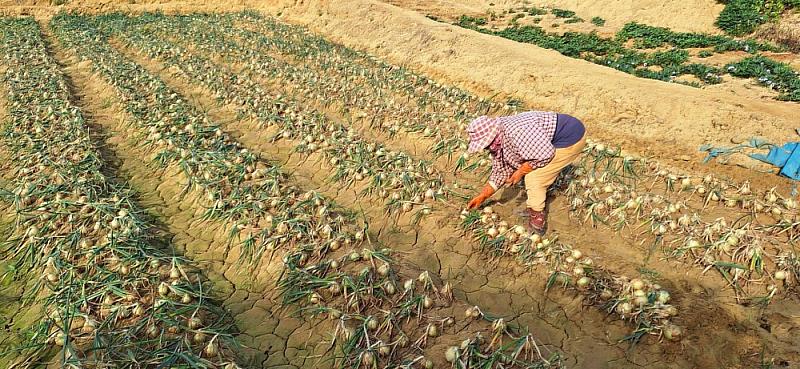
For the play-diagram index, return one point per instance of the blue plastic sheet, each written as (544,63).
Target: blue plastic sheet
(786,157)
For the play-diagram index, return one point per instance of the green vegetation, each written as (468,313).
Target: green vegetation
(649,37)
(741,17)
(471,22)
(597,21)
(770,73)
(664,65)
(535,11)
(574,20)
(704,54)
(561,13)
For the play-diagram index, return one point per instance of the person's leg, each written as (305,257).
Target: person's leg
(537,182)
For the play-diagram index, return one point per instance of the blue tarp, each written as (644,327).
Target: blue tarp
(786,157)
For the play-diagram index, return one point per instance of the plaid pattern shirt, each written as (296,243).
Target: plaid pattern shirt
(526,137)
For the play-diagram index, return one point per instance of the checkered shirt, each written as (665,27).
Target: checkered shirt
(526,137)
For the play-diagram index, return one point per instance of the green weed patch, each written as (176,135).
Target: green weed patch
(664,65)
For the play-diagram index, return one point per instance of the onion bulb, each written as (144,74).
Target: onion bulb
(152,331)
(451,355)
(195,322)
(672,332)
(473,312)
(432,330)
(211,349)
(371,324)
(423,277)
(383,270)
(389,288)
(624,308)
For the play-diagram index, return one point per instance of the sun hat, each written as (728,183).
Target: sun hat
(482,131)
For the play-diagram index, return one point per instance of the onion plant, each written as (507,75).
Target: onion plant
(113,296)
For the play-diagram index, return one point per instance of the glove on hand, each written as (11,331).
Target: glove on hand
(523,169)
(487,192)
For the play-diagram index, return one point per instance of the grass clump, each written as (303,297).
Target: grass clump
(471,22)
(562,13)
(597,21)
(770,73)
(535,11)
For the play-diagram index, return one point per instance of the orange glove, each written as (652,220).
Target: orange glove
(487,192)
(523,169)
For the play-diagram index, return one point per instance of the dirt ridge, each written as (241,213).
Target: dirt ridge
(642,115)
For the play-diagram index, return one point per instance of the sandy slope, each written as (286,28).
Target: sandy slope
(687,16)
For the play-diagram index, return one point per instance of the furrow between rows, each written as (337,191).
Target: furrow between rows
(314,275)
(435,244)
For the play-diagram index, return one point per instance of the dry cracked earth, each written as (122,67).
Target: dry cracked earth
(719,331)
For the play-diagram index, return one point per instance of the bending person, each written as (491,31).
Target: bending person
(535,145)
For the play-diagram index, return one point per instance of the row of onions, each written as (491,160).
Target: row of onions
(383,96)
(753,254)
(651,314)
(112,294)
(382,314)
(404,183)
(617,189)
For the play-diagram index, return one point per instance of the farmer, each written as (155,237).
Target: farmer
(535,145)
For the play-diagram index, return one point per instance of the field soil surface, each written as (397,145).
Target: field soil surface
(665,121)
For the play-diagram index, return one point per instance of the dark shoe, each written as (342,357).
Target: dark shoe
(537,221)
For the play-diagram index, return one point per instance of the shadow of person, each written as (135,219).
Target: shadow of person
(517,194)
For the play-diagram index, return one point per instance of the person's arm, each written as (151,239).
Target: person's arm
(520,173)
(500,172)
(485,194)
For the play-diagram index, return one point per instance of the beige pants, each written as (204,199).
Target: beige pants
(537,182)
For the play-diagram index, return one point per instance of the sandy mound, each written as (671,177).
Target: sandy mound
(686,16)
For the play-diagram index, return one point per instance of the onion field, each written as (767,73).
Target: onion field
(230,191)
